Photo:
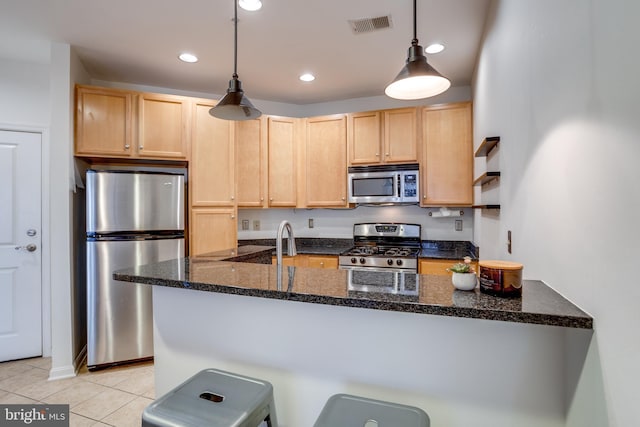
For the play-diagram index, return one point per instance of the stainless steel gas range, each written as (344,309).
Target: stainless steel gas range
(384,258)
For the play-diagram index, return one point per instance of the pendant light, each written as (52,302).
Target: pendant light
(234,105)
(417,79)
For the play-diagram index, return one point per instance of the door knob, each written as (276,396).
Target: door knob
(30,247)
(31,232)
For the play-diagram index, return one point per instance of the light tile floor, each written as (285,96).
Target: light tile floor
(110,397)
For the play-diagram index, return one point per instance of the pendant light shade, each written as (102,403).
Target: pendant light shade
(417,79)
(234,105)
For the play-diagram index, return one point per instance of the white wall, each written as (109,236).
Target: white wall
(558,81)
(25,93)
(338,223)
(60,218)
(39,96)
(462,372)
(25,105)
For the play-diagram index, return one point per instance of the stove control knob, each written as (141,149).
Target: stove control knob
(354,260)
(389,261)
(362,260)
(399,262)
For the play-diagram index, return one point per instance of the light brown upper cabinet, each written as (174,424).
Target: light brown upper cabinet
(251,162)
(127,124)
(104,122)
(365,137)
(282,140)
(163,122)
(326,161)
(447,163)
(212,173)
(387,136)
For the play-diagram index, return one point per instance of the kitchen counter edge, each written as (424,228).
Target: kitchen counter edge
(499,308)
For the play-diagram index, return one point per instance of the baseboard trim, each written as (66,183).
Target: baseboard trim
(62,372)
(70,371)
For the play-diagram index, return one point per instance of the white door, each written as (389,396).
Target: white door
(20,251)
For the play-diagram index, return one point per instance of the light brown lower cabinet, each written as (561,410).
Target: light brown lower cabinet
(312,261)
(212,229)
(321,261)
(439,266)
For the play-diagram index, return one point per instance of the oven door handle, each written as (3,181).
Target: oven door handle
(380,269)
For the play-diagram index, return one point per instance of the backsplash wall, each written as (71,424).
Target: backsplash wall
(338,223)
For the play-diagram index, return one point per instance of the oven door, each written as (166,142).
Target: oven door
(382,280)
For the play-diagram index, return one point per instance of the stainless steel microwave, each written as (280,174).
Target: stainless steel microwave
(384,184)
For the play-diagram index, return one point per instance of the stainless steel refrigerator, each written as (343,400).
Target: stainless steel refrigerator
(133,218)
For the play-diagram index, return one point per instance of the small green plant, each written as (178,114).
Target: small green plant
(462,267)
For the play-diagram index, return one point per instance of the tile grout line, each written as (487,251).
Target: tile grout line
(24,367)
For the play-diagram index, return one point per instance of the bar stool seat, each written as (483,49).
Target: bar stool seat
(214,398)
(343,410)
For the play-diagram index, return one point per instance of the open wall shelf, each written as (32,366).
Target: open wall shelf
(486,206)
(487,145)
(483,150)
(486,178)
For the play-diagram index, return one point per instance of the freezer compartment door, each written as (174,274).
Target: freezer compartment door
(124,201)
(119,314)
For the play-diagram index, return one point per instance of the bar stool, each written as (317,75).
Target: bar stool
(214,398)
(354,411)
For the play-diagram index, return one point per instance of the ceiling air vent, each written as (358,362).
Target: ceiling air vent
(366,25)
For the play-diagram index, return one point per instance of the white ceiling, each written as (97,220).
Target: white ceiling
(137,41)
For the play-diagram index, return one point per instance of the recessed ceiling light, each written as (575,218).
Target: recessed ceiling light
(188,57)
(307,77)
(434,48)
(250,5)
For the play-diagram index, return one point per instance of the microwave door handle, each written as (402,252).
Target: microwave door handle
(399,189)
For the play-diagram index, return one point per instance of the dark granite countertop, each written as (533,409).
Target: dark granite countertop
(449,249)
(435,295)
(307,245)
(431,249)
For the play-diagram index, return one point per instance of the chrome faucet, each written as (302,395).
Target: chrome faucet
(291,247)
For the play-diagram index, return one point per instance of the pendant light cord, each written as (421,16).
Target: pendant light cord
(235,39)
(414,42)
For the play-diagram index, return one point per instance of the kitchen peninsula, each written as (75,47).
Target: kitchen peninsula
(303,330)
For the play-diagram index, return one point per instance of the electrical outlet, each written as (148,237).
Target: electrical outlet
(256,225)
(458,225)
(245,224)
(310,222)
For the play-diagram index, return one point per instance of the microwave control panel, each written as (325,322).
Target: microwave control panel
(410,185)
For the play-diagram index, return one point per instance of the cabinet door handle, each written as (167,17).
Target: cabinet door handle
(386,154)
(140,147)
(271,199)
(126,146)
(233,216)
(232,198)
(262,199)
(377,154)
